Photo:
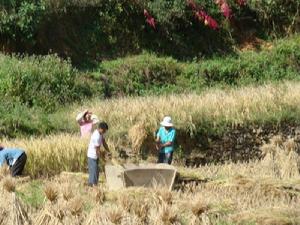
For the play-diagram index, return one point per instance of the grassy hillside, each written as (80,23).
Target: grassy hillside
(147,73)
(33,89)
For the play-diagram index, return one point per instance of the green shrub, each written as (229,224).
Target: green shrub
(138,74)
(18,119)
(280,62)
(116,28)
(147,73)
(276,16)
(45,82)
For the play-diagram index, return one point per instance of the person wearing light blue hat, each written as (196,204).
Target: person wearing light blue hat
(165,139)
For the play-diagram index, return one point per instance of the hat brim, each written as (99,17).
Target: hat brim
(165,124)
(79,116)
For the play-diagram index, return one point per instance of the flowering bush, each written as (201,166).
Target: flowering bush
(116,27)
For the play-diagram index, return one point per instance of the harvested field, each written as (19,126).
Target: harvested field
(262,192)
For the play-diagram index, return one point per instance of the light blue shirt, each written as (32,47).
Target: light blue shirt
(166,136)
(10,155)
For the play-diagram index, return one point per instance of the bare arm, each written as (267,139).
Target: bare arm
(98,151)
(105,145)
(158,144)
(167,144)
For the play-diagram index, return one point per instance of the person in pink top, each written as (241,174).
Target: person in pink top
(86,120)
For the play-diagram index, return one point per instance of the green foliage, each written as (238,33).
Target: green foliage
(19,20)
(18,119)
(33,194)
(137,75)
(116,28)
(33,87)
(277,15)
(147,73)
(45,82)
(280,62)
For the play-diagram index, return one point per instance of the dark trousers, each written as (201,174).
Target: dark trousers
(93,171)
(18,167)
(165,157)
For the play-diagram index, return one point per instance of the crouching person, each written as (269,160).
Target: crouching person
(15,158)
(97,140)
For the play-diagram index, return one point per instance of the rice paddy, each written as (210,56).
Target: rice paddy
(262,191)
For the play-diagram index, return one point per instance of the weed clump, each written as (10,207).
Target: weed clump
(51,193)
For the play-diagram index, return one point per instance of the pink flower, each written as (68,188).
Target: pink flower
(211,22)
(203,16)
(149,19)
(224,7)
(207,19)
(242,2)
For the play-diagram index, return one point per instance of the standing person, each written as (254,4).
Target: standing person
(93,154)
(15,158)
(165,138)
(86,120)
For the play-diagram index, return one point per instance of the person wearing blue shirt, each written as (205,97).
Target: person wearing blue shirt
(165,139)
(15,158)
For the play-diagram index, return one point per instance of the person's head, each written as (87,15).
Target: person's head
(167,123)
(87,116)
(102,127)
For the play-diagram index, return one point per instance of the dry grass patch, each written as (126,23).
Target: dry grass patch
(67,192)
(167,215)
(115,215)
(4,171)
(125,202)
(18,213)
(273,216)
(9,184)
(164,196)
(51,192)
(281,160)
(75,206)
(199,207)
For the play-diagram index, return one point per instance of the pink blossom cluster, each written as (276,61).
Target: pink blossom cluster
(203,16)
(242,2)
(149,19)
(224,8)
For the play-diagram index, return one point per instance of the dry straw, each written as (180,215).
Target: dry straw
(281,159)
(18,213)
(51,192)
(9,184)
(133,120)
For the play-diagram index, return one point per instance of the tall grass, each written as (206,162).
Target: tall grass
(53,154)
(133,120)
(208,113)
